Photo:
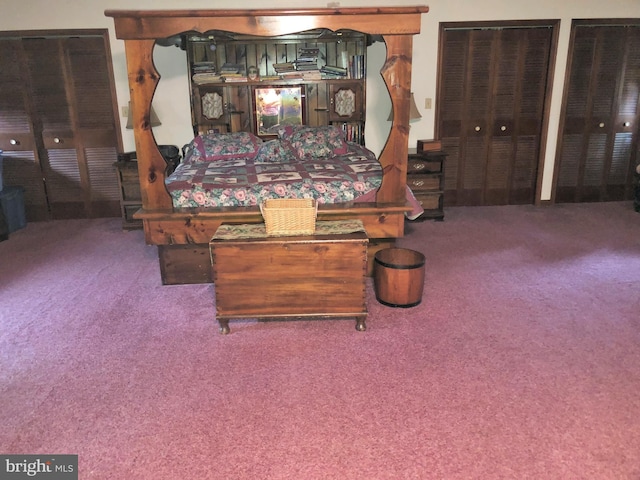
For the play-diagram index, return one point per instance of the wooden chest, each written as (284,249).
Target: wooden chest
(321,275)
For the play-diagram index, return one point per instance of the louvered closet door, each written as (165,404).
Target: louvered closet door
(45,60)
(94,124)
(20,157)
(57,124)
(598,147)
(73,114)
(492,88)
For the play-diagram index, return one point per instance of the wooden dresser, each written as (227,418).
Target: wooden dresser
(425,177)
(321,275)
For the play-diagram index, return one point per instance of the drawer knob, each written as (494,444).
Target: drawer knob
(601,124)
(503,128)
(477,129)
(13,141)
(418,183)
(418,166)
(627,124)
(57,140)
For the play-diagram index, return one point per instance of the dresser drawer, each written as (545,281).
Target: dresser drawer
(130,173)
(131,191)
(129,212)
(420,164)
(423,182)
(430,201)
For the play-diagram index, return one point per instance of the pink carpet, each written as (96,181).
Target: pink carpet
(522,362)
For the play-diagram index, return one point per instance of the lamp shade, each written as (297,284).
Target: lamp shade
(414,114)
(153,120)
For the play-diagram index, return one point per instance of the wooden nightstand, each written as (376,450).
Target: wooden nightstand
(425,177)
(129,182)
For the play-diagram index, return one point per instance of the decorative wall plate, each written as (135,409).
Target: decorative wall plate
(345,102)
(212,106)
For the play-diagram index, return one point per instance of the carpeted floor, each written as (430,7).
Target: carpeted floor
(521,362)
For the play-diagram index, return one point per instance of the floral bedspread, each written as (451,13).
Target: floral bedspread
(248,181)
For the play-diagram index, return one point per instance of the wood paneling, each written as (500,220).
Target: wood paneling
(216,48)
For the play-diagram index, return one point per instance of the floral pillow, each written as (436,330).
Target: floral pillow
(315,142)
(191,153)
(275,151)
(219,146)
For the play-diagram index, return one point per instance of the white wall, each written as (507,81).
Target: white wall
(171,99)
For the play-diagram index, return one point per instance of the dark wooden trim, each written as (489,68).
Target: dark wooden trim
(112,86)
(257,12)
(563,112)
(499,24)
(85,32)
(544,133)
(604,22)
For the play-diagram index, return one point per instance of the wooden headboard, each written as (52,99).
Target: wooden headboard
(139,29)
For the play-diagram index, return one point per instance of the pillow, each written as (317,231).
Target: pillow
(275,151)
(191,153)
(315,142)
(219,146)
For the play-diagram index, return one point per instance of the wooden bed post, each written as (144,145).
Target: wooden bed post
(397,76)
(143,80)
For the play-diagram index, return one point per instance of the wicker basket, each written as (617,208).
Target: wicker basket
(289,216)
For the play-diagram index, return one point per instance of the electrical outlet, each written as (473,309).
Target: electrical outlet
(125,112)
(427,103)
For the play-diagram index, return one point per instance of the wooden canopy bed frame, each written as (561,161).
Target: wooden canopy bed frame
(183,235)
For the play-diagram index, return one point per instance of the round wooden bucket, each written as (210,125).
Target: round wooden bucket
(399,277)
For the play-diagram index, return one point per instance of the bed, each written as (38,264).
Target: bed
(242,170)
(182,232)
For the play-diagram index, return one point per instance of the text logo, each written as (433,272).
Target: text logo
(45,467)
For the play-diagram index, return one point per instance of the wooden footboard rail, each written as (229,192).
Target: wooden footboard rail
(183,237)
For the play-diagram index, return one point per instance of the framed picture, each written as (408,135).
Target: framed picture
(278,106)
